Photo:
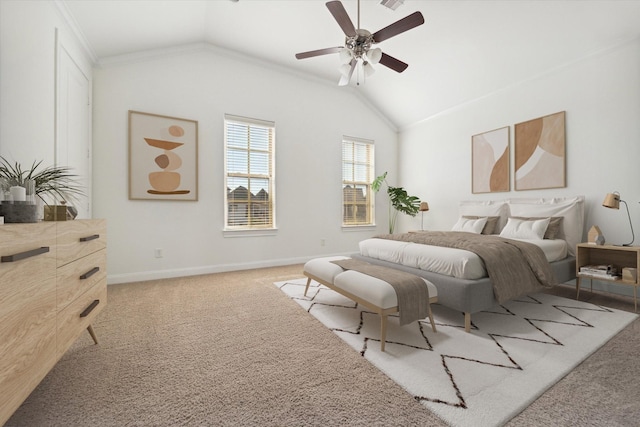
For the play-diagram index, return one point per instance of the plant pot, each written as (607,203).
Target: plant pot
(19,212)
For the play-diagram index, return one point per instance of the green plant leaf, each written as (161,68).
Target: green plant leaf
(56,182)
(377,183)
(399,199)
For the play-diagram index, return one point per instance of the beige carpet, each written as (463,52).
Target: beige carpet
(231,349)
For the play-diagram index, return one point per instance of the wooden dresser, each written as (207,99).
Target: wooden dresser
(53,284)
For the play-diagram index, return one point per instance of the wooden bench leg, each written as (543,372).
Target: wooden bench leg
(306,288)
(433,323)
(467,322)
(93,334)
(383,330)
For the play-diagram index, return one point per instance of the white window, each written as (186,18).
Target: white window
(249,171)
(357,176)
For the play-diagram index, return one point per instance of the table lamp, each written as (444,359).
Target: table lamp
(424,206)
(612,201)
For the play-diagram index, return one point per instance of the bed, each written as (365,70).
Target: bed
(555,225)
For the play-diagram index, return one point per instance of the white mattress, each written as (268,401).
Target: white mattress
(449,261)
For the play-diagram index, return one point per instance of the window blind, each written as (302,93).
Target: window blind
(249,164)
(357,176)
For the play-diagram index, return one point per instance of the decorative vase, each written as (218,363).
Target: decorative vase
(19,202)
(19,212)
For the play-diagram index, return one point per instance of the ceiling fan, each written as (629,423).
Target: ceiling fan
(358,43)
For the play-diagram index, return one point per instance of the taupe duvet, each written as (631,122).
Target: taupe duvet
(514,267)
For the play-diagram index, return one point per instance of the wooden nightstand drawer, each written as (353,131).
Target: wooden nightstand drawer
(78,315)
(75,278)
(77,239)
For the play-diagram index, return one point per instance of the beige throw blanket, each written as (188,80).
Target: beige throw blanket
(514,267)
(412,292)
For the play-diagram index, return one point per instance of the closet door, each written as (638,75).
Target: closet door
(73,123)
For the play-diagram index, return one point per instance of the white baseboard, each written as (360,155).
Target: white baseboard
(114,279)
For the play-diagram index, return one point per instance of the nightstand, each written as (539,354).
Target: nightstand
(617,256)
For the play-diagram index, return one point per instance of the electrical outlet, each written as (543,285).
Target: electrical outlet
(322,241)
(159,253)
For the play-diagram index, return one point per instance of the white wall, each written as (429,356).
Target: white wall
(31,33)
(601,97)
(203,85)
(27,81)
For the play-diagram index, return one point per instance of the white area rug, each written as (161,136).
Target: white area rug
(513,354)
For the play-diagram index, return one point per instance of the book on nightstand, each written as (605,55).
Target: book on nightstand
(606,271)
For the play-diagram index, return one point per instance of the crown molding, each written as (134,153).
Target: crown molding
(68,18)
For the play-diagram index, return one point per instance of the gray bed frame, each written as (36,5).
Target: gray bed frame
(470,296)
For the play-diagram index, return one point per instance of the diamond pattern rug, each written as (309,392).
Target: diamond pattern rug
(514,352)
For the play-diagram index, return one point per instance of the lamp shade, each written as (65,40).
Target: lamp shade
(374,55)
(345,56)
(612,200)
(345,70)
(424,206)
(368,69)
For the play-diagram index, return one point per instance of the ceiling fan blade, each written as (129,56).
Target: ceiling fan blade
(393,63)
(344,80)
(398,27)
(319,52)
(340,14)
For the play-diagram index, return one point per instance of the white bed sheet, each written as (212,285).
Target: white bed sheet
(448,261)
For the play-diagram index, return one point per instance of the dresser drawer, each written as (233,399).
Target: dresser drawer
(27,267)
(27,254)
(79,314)
(80,238)
(77,277)
(27,310)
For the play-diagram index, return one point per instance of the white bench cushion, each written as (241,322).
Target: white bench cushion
(323,268)
(373,290)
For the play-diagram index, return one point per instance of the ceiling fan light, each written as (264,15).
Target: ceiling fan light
(392,4)
(374,55)
(345,56)
(345,69)
(368,69)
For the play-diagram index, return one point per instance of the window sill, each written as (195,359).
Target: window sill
(250,233)
(351,228)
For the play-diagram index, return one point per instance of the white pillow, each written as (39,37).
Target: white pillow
(525,229)
(486,208)
(470,225)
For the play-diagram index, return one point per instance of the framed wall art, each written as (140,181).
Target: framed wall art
(163,157)
(540,157)
(490,161)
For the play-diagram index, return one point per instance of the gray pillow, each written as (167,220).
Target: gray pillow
(490,226)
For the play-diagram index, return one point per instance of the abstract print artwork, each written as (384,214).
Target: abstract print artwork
(163,157)
(540,153)
(490,161)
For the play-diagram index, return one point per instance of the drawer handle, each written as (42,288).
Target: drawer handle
(90,273)
(23,255)
(88,238)
(89,309)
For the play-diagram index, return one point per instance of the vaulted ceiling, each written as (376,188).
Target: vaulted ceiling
(465,49)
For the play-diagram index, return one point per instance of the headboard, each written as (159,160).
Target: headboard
(571,209)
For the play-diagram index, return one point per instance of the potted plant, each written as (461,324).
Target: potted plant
(49,184)
(399,199)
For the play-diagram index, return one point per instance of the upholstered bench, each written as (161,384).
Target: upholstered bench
(374,294)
